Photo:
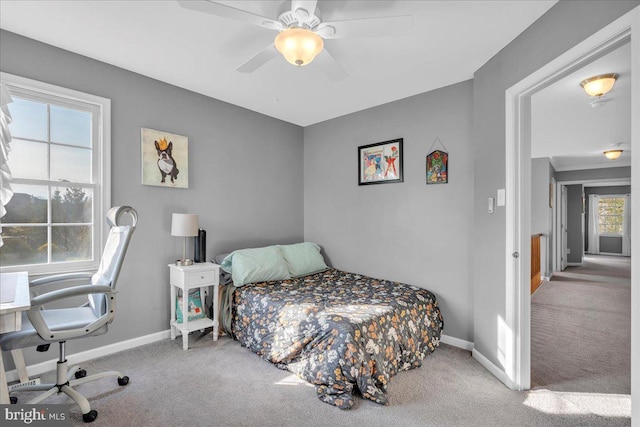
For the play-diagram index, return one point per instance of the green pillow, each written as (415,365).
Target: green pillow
(194,307)
(256,265)
(303,258)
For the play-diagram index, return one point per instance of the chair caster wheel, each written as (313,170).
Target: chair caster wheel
(90,416)
(123,381)
(13,400)
(80,374)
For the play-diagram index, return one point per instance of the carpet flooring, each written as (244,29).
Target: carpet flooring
(581,376)
(581,328)
(224,384)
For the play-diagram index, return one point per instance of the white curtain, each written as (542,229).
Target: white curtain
(594,234)
(5,138)
(626,227)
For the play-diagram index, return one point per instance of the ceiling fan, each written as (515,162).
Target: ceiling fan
(301,32)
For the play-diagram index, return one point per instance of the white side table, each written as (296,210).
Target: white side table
(200,275)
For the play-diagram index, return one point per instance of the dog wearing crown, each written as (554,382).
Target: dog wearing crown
(166,162)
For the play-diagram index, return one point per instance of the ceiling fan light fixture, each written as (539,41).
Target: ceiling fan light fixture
(612,154)
(599,85)
(299,46)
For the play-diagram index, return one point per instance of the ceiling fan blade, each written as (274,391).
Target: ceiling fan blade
(229,12)
(308,5)
(330,66)
(368,27)
(258,60)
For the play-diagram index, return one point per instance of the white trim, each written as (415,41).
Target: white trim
(574,264)
(50,365)
(517,336)
(106,350)
(587,167)
(635,219)
(101,170)
(489,366)
(605,182)
(456,342)
(611,253)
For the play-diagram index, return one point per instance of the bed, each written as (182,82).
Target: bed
(345,333)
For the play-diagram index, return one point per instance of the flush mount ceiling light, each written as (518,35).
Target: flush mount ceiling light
(299,46)
(612,154)
(599,85)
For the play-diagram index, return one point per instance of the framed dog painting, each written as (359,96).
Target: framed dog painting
(165,159)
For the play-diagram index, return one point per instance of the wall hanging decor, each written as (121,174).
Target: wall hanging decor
(437,164)
(165,159)
(380,163)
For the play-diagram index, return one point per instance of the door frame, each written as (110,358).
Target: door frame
(606,182)
(518,191)
(564,244)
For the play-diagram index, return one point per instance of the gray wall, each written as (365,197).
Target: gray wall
(575,224)
(608,244)
(594,174)
(409,232)
(541,212)
(245,175)
(561,28)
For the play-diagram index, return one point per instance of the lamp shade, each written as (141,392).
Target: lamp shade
(184,225)
(299,46)
(599,85)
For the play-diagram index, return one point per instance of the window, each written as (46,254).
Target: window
(59,162)
(611,215)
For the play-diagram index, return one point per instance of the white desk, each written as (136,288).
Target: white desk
(14,294)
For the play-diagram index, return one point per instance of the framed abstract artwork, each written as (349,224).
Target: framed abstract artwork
(165,159)
(438,167)
(380,163)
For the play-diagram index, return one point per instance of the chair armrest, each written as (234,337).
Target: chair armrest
(60,278)
(43,329)
(71,292)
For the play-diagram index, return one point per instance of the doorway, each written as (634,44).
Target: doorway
(518,188)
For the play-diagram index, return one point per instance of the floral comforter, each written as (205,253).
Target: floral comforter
(340,331)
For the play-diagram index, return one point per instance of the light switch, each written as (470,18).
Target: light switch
(490,204)
(501,197)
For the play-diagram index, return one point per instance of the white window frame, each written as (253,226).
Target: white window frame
(101,164)
(612,196)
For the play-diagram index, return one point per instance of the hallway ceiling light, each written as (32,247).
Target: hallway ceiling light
(612,154)
(599,85)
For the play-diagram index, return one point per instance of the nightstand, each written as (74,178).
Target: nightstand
(200,275)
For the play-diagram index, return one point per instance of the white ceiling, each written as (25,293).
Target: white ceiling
(448,42)
(573,134)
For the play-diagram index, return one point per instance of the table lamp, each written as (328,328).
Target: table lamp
(184,225)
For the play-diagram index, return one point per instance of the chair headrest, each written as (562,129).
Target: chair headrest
(115,215)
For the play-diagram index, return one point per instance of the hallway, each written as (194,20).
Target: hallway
(581,328)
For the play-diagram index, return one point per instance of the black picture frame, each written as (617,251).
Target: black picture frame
(380,163)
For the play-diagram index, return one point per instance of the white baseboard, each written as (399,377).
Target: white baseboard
(94,353)
(574,264)
(106,350)
(497,372)
(456,342)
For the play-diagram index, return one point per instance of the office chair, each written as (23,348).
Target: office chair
(41,326)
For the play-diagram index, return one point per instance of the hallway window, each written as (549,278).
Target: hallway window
(611,215)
